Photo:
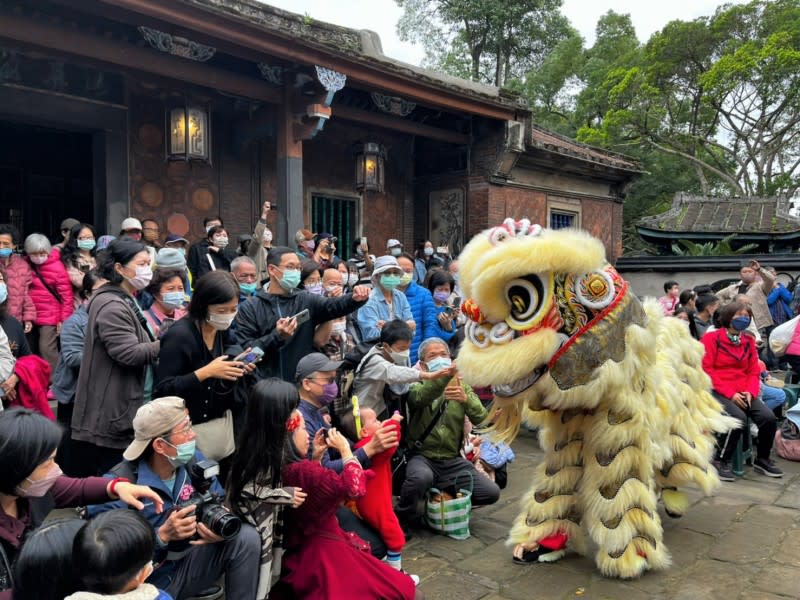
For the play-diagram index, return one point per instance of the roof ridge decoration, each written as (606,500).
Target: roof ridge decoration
(176,45)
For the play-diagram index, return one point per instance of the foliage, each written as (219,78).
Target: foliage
(720,248)
(484,40)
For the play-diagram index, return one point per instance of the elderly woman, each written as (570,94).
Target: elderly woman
(731,361)
(51,292)
(386,302)
(116,373)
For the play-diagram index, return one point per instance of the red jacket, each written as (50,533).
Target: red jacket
(34,377)
(732,368)
(376,505)
(18,280)
(49,309)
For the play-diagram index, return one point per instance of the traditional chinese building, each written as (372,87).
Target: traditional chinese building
(179,109)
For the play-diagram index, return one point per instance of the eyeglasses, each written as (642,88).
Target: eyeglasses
(331,379)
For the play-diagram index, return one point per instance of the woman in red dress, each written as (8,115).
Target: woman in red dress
(322,562)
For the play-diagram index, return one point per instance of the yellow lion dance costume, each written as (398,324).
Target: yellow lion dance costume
(617,390)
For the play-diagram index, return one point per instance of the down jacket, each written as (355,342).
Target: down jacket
(18,279)
(49,309)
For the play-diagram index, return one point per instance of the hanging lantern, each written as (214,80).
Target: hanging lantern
(189,135)
(370,168)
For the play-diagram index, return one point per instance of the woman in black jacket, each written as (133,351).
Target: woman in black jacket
(218,255)
(195,362)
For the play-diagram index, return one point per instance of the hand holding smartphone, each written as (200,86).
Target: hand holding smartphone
(302,316)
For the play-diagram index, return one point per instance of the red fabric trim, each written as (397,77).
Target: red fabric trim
(554,542)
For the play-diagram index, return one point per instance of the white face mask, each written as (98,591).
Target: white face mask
(221,242)
(38,259)
(400,358)
(352,280)
(220,322)
(339,326)
(141,280)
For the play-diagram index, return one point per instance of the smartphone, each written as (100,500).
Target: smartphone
(250,357)
(454,300)
(363,241)
(302,316)
(441,249)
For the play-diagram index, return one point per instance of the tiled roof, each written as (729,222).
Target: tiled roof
(547,140)
(699,214)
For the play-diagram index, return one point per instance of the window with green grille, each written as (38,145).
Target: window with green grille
(338,216)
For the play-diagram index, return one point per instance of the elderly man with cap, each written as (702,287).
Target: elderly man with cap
(394,248)
(386,302)
(304,240)
(189,556)
(66,226)
(316,385)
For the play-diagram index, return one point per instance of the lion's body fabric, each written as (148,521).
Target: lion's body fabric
(617,390)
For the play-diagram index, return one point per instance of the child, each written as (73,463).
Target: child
(112,556)
(376,505)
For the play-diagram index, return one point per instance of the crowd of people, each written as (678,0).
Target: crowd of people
(248,401)
(734,324)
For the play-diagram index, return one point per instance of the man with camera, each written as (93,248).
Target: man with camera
(325,250)
(197,539)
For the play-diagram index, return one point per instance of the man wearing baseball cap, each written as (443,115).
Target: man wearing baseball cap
(66,225)
(131,228)
(162,450)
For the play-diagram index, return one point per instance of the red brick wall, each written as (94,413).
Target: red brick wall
(598,218)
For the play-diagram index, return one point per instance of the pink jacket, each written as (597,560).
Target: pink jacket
(49,310)
(18,280)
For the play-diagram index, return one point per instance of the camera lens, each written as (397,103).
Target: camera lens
(221,522)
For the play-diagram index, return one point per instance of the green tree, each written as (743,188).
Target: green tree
(484,40)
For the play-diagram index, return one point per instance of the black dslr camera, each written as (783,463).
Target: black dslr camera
(208,505)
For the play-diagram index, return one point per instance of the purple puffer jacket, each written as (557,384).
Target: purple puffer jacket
(49,309)
(18,280)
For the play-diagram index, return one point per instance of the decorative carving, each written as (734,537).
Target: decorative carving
(176,45)
(9,66)
(331,80)
(56,80)
(447,218)
(273,74)
(394,105)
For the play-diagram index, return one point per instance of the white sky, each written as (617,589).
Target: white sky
(382,16)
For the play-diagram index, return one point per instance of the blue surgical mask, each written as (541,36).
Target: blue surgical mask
(6,252)
(740,323)
(3,292)
(438,363)
(428,251)
(86,244)
(248,288)
(173,299)
(290,279)
(184,455)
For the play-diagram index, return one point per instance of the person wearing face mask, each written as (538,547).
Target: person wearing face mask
(260,244)
(425,259)
(394,247)
(731,361)
(386,302)
(18,278)
(78,256)
(169,300)
(423,310)
(196,363)
(304,240)
(268,321)
(189,556)
(244,270)
(31,485)
(199,250)
(756,283)
(51,292)
(218,255)
(116,372)
(65,377)
(361,260)
(438,462)
(342,336)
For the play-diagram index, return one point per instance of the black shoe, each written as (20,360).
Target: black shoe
(724,471)
(767,467)
(541,554)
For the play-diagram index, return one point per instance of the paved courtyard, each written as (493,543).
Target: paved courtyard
(742,543)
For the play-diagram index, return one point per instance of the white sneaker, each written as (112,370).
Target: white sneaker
(415,579)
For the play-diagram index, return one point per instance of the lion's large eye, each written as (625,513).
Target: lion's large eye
(525,298)
(499,235)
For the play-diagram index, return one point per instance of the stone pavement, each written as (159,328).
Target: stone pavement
(743,543)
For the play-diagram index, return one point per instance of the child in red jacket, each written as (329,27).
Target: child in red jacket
(376,505)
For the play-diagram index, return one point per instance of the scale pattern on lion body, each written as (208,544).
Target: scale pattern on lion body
(616,389)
